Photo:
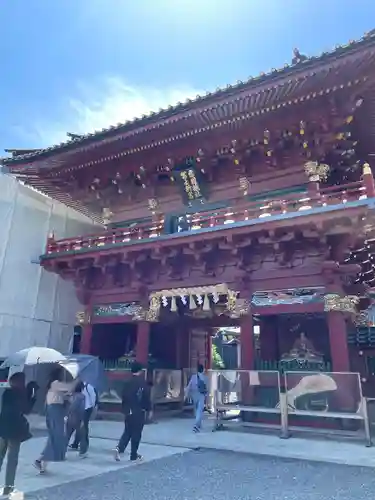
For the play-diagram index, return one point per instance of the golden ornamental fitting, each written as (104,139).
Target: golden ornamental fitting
(333,302)
(152,314)
(106,215)
(153,204)
(316,172)
(361,319)
(82,318)
(366,169)
(244,185)
(231,301)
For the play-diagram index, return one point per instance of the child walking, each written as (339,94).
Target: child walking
(14,428)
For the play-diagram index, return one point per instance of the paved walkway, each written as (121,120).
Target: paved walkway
(99,461)
(177,433)
(207,474)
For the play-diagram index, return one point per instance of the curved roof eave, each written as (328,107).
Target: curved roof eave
(171,111)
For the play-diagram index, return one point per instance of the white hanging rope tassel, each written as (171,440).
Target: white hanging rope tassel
(192,304)
(173,304)
(206,303)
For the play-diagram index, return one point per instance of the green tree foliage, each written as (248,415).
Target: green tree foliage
(217,360)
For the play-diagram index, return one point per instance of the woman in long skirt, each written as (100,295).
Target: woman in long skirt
(56,401)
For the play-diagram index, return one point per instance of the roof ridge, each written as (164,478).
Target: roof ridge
(164,113)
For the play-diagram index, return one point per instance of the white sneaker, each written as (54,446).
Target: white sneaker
(16,495)
(40,466)
(117,455)
(13,495)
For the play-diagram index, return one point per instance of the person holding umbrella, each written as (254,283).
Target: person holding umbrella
(14,427)
(56,402)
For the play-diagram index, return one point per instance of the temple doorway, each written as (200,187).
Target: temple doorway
(226,348)
(163,347)
(114,343)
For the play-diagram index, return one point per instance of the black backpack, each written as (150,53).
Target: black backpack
(202,388)
(143,398)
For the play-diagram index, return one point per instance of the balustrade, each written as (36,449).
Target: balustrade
(242,210)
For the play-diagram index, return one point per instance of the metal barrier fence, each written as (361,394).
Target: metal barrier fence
(246,392)
(168,386)
(264,396)
(295,395)
(112,395)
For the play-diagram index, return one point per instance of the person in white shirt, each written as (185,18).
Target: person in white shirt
(90,404)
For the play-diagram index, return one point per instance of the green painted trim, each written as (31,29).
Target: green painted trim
(125,224)
(277,192)
(116,309)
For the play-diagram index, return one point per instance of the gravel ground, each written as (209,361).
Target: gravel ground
(199,475)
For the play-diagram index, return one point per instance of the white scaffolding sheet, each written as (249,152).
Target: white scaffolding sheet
(36,307)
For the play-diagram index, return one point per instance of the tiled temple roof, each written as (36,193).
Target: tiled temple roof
(152,119)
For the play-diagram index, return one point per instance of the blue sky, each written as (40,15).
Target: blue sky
(80,65)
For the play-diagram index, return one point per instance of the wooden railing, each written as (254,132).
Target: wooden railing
(240,211)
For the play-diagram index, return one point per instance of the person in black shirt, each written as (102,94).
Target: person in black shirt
(14,427)
(136,402)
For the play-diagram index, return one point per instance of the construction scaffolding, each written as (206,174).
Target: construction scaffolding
(36,307)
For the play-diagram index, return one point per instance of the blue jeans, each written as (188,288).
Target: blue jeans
(199,409)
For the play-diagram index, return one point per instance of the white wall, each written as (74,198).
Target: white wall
(36,307)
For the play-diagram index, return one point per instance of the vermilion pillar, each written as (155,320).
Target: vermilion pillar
(247,343)
(86,338)
(338,341)
(143,340)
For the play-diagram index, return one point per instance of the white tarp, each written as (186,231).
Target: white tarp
(36,307)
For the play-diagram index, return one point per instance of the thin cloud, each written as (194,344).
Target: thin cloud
(99,106)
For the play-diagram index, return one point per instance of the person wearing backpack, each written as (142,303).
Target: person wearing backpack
(136,402)
(91,401)
(197,391)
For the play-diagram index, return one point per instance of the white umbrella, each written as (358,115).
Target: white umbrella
(71,367)
(33,356)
